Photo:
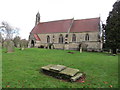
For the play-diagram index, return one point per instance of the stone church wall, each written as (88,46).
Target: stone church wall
(93,42)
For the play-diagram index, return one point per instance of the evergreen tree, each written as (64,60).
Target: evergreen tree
(112,28)
(17,41)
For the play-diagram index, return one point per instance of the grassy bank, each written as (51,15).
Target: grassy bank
(21,69)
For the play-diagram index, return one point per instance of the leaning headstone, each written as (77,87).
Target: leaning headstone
(10,46)
(80,49)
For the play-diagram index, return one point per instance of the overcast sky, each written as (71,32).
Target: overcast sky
(22,13)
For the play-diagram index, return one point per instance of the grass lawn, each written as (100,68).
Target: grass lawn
(21,69)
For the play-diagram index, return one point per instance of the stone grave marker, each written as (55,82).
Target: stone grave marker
(80,49)
(18,45)
(52,46)
(48,47)
(22,45)
(10,46)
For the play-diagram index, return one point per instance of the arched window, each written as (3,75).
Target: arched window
(74,38)
(87,37)
(48,39)
(66,38)
(61,38)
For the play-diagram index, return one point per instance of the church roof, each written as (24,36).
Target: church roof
(85,25)
(62,26)
(52,27)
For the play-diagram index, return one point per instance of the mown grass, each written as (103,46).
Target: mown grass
(21,69)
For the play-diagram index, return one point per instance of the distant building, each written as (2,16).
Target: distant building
(67,34)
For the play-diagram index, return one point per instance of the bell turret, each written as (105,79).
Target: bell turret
(37,18)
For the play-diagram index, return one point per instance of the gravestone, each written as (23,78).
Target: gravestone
(22,48)
(80,49)
(29,44)
(44,47)
(48,47)
(10,46)
(52,47)
(18,45)
(22,45)
(110,51)
(26,43)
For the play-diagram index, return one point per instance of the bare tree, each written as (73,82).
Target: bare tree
(8,31)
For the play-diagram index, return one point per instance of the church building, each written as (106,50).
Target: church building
(68,34)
